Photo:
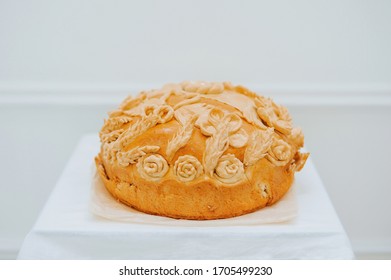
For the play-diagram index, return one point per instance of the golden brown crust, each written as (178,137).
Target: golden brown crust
(199,151)
(203,200)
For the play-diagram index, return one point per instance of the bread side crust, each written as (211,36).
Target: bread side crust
(204,200)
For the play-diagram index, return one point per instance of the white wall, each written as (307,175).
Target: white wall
(63,64)
(281,42)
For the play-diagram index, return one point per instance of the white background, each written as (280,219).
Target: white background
(64,64)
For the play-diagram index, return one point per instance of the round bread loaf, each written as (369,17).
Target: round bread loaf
(199,150)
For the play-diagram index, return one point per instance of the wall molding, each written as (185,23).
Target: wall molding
(112,94)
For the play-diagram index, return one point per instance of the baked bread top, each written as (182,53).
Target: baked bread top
(198,133)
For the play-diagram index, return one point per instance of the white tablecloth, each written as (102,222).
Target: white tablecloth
(66,229)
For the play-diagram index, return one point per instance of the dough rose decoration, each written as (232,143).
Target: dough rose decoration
(229,169)
(280,152)
(187,168)
(199,150)
(152,167)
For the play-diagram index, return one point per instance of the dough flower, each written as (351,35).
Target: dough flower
(280,152)
(229,169)
(152,167)
(217,119)
(187,168)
